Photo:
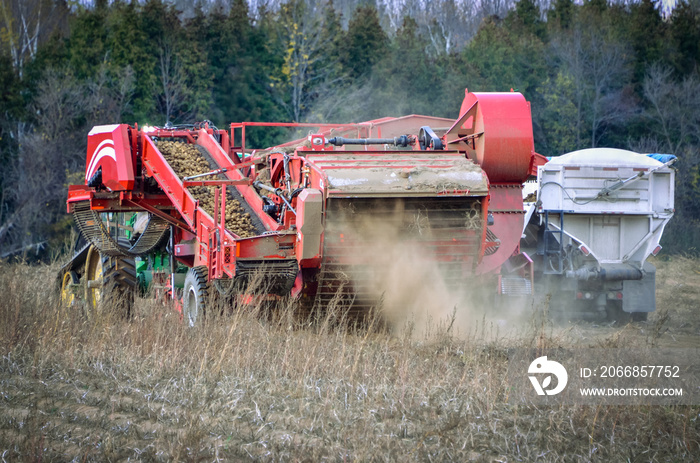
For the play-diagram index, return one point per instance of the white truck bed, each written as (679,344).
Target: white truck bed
(619,226)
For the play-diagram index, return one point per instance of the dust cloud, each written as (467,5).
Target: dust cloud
(415,295)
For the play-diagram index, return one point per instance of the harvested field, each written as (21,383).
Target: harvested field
(187,160)
(246,387)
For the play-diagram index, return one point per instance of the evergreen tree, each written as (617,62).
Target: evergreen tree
(685,36)
(332,38)
(232,49)
(408,76)
(526,18)
(366,43)
(647,34)
(562,14)
(242,58)
(596,7)
(127,44)
(86,46)
(501,58)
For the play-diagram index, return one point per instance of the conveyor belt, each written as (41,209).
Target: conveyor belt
(233,193)
(96,232)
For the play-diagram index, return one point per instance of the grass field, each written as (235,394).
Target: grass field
(247,387)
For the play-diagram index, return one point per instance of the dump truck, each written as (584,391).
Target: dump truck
(597,215)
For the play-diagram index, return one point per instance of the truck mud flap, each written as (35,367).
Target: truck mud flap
(640,295)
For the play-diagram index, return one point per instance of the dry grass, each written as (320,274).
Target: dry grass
(678,299)
(246,387)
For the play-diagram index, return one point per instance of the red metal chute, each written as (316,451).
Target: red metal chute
(110,155)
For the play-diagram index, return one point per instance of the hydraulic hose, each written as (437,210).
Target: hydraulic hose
(277,191)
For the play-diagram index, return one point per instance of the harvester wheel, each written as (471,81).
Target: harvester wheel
(93,279)
(69,282)
(195,295)
(119,282)
(109,280)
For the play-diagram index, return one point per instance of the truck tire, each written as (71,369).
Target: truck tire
(195,294)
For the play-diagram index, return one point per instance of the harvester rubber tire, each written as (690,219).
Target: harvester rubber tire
(119,283)
(195,295)
(114,282)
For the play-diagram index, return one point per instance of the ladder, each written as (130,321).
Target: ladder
(554,245)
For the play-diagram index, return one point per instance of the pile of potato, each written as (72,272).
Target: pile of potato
(186,160)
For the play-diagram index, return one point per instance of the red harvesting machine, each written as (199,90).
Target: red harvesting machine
(156,206)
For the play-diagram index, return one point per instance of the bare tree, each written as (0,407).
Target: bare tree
(53,150)
(306,76)
(172,85)
(498,8)
(26,23)
(674,127)
(597,63)
(450,24)
(673,114)
(447,25)
(110,93)
(44,156)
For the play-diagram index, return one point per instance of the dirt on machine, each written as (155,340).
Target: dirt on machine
(189,212)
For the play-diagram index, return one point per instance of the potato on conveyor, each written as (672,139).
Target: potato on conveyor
(186,160)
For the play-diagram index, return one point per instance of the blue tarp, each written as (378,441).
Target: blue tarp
(662,157)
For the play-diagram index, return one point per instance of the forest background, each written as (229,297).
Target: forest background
(622,74)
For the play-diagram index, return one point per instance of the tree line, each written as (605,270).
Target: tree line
(621,75)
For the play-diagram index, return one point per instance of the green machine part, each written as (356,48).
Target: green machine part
(157,263)
(130,223)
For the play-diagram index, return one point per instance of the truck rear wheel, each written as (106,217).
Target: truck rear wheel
(194,295)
